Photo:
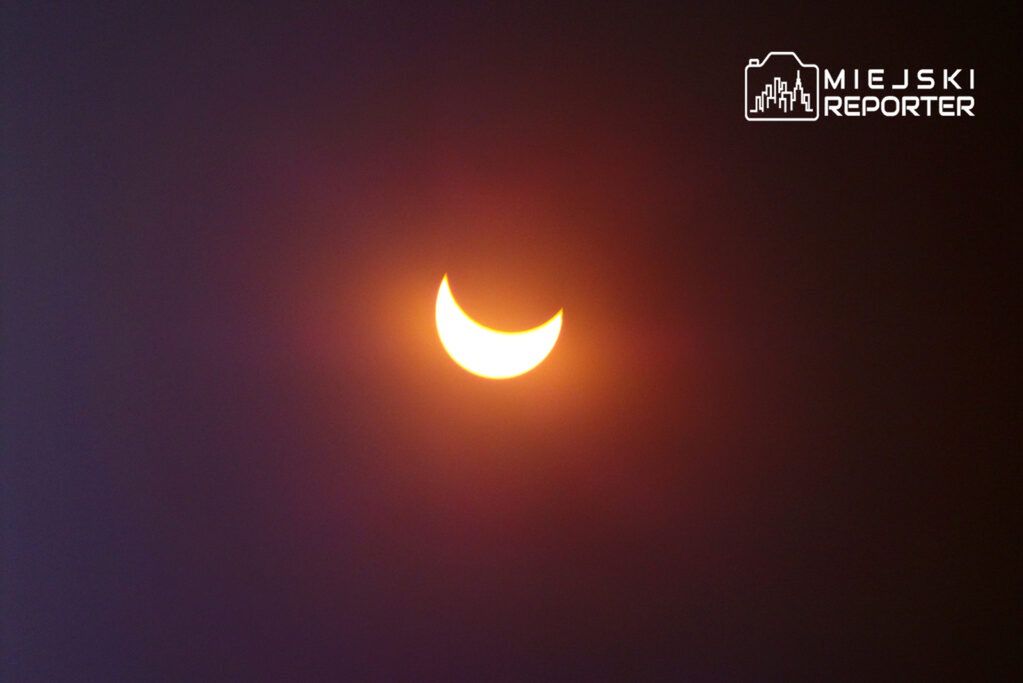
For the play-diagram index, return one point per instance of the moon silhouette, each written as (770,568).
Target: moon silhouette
(490,353)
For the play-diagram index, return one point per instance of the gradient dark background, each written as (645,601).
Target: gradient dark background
(771,443)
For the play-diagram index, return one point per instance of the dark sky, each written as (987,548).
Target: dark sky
(769,445)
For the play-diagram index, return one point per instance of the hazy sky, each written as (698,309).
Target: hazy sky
(768,445)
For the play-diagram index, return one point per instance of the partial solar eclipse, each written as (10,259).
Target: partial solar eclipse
(490,353)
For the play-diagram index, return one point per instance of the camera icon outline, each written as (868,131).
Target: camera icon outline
(756,64)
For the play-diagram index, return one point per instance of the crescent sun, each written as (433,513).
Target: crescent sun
(490,353)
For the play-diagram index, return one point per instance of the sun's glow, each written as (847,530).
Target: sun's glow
(491,353)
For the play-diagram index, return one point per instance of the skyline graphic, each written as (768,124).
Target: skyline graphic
(777,94)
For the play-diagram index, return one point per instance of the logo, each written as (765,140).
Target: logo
(782,87)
